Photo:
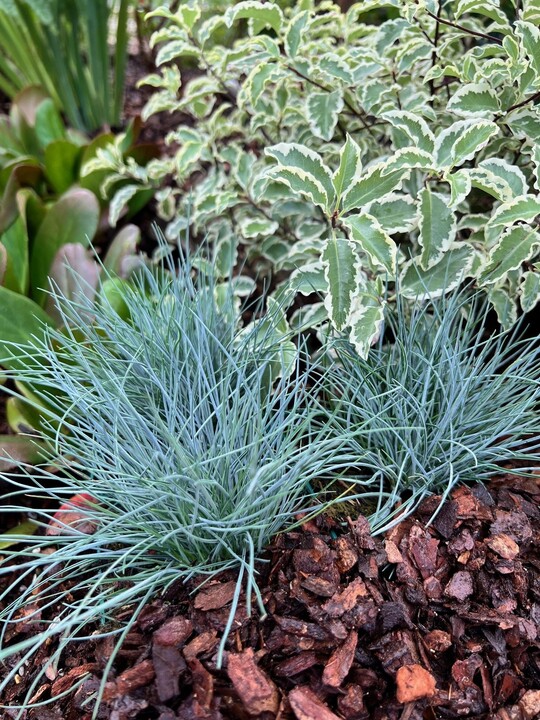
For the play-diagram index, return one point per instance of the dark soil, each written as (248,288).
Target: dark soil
(423,623)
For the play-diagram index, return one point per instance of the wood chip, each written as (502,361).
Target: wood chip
(504,546)
(338,666)
(307,706)
(173,632)
(414,683)
(135,677)
(216,596)
(345,600)
(257,693)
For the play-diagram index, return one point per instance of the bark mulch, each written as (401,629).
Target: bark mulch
(423,623)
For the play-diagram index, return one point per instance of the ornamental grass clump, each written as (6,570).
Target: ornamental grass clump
(188,443)
(442,400)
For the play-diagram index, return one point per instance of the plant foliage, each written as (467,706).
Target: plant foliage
(440,399)
(190,439)
(399,137)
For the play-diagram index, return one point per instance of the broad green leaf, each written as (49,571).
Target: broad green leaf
(263,14)
(530,291)
(374,185)
(437,225)
(73,218)
(414,126)
(293,157)
(322,109)
(461,141)
(14,242)
(452,269)
(62,160)
(350,167)
(20,319)
(396,213)
(515,246)
(460,186)
(366,231)
(366,318)
(339,261)
(48,124)
(294,32)
(474,100)
(122,250)
(24,451)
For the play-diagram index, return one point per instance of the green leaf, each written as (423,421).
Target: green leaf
(350,167)
(474,100)
(304,171)
(366,318)
(49,125)
(14,242)
(123,248)
(530,291)
(339,262)
(21,449)
(20,319)
(322,109)
(414,126)
(530,38)
(72,219)
(524,208)
(396,213)
(515,246)
(374,185)
(262,14)
(62,160)
(461,141)
(294,32)
(504,306)
(437,227)
(366,231)
(408,159)
(460,186)
(452,269)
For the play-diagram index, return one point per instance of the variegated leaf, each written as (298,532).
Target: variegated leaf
(340,271)
(293,34)
(461,141)
(367,233)
(515,246)
(396,213)
(414,126)
(449,272)
(293,157)
(460,186)
(322,110)
(504,306)
(437,225)
(474,100)
(262,14)
(350,167)
(530,291)
(366,318)
(373,185)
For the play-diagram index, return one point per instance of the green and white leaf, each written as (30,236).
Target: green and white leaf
(294,32)
(414,126)
(530,290)
(515,246)
(530,39)
(474,100)
(252,227)
(437,224)
(461,141)
(504,306)
(396,213)
(460,186)
(369,235)
(440,279)
(260,13)
(340,264)
(350,167)
(524,209)
(322,110)
(375,184)
(366,318)
(409,159)
(293,157)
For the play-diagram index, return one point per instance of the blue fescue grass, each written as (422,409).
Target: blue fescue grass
(193,458)
(441,400)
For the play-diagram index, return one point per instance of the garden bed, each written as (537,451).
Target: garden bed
(424,622)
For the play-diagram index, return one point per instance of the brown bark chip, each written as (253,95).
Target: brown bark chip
(135,677)
(216,596)
(460,586)
(530,704)
(345,600)
(414,683)
(337,668)
(307,706)
(503,545)
(174,632)
(256,691)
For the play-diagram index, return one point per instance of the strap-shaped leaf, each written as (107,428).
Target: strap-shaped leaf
(304,171)
(366,231)
(449,272)
(515,246)
(474,100)
(340,271)
(322,109)
(396,213)
(437,227)
(366,318)
(373,185)
(461,141)
(261,15)
(350,167)
(414,126)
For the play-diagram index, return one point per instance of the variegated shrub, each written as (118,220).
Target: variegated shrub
(397,140)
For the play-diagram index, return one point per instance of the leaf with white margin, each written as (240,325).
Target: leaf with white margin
(487,8)
(308,317)
(366,318)
(301,182)
(414,126)
(524,208)
(367,233)
(322,110)
(409,159)
(515,246)
(373,185)
(251,227)
(530,39)
(340,270)
(294,32)
(460,186)
(350,167)
(396,213)
(309,278)
(292,156)
(499,179)
(536,163)
(530,290)
(449,272)
(461,141)
(437,225)
(504,306)
(261,14)
(474,100)
(336,68)
(257,80)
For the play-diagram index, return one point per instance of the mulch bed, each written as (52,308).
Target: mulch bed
(423,623)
